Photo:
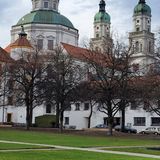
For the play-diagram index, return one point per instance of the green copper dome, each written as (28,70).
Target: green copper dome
(102,17)
(142,8)
(45,17)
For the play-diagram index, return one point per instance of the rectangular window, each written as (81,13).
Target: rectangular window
(133,105)
(50,44)
(77,106)
(66,121)
(40,44)
(46,4)
(86,106)
(48,108)
(139,121)
(155,121)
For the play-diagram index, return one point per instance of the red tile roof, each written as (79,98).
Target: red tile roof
(8,48)
(21,42)
(4,56)
(86,54)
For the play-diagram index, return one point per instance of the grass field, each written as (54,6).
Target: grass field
(137,150)
(7,146)
(72,140)
(65,155)
(65,140)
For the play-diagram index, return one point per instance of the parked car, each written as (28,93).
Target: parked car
(101,126)
(151,130)
(126,129)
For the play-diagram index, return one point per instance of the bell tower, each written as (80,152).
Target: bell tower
(45,5)
(142,39)
(102,22)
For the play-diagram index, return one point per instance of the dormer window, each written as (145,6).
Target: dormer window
(46,4)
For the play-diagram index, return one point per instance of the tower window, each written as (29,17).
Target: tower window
(137,29)
(148,21)
(140,47)
(54,6)
(46,4)
(97,27)
(97,35)
(137,46)
(137,21)
(36,4)
(149,47)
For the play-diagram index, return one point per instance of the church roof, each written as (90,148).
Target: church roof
(87,55)
(45,17)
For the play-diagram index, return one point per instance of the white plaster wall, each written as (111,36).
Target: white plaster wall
(59,33)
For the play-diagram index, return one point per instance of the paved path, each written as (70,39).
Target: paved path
(84,149)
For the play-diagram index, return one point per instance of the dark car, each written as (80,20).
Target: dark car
(126,129)
(101,126)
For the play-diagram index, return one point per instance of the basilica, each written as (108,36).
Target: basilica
(44,27)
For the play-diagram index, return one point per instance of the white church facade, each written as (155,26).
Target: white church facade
(46,28)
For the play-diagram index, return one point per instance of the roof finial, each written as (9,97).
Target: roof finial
(22,33)
(142,1)
(102,6)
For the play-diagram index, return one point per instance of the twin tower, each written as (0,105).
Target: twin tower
(141,39)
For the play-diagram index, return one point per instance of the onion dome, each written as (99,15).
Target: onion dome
(102,16)
(142,8)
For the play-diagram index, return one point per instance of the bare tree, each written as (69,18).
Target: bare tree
(112,71)
(63,76)
(27,75)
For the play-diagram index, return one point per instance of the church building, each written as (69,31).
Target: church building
(45,26)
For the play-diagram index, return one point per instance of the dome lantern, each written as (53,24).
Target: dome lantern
(102,16)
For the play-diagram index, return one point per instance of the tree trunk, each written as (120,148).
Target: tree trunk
(61,121)
(110,126)
(27,118)
(30,117)
(57,116)
(110,119)
(123,120)
(90,115)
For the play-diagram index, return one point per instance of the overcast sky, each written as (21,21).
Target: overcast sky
(81,14)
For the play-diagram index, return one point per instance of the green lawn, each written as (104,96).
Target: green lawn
(65,140)
(136,150)
(65,155)
(72,140)
(6,146)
